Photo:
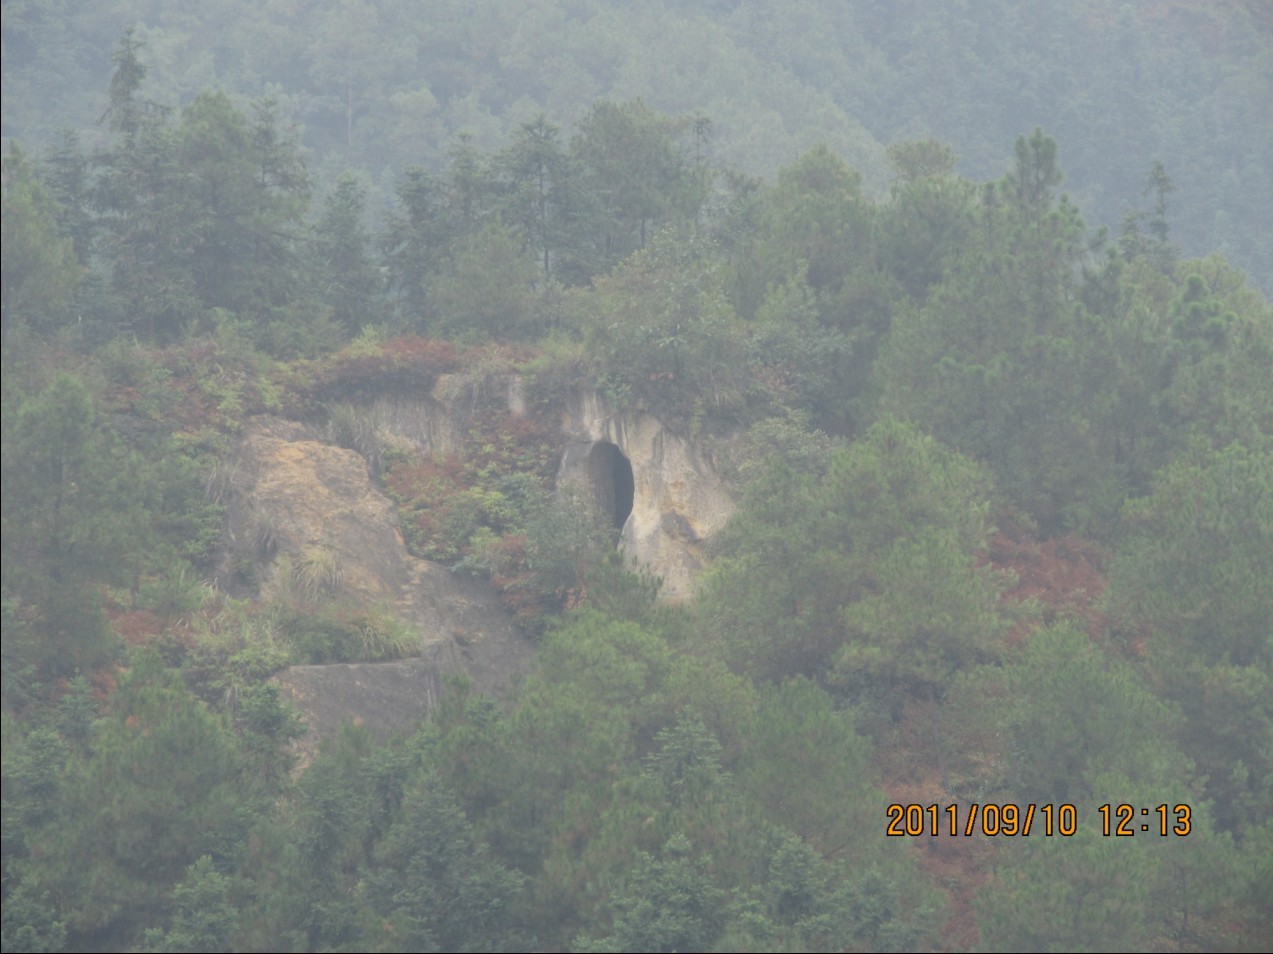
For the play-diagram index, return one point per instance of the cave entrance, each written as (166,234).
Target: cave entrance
(610,473)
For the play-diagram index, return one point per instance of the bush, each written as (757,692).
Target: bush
(365,368)
(347,634)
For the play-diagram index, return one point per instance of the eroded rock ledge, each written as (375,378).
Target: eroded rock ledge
(674,499)
(299,501)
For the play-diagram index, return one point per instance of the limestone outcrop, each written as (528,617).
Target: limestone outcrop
(305,510)
(298,499)
(662,490)
(306,513)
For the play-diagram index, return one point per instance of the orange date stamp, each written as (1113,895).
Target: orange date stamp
(992,819)
(988,819)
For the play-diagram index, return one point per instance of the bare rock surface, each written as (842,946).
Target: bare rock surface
(304,506)
(678,499)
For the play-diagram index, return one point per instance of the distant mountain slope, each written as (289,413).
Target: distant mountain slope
(384,85)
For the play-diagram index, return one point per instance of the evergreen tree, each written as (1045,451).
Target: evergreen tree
(669,903)
(68,175)
(160,790)
(351,284)
(40,268)
(1191,569)
(413,242)
(73,518)
(149,230)
(638,173)
(662,332)
(542,199)
(811,579)
(205,918)
(925,226)
(126,113)
(1001,360)
(200,216)
(486,287)
(813,229)
(248,194)
(431,881)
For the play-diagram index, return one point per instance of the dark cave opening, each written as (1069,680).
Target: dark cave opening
(612,482)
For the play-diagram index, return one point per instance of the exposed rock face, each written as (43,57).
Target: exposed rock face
(299,501)
(384,697)
(435,423)
(661,490)
(303,508)
(423,423)
(389,697)
(675,500)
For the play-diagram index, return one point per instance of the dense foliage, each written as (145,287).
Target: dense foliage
(1004,517)
(383,85)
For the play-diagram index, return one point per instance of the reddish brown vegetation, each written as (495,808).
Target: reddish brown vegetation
(957,864)
(1063,575)
(961,866)
(136,627)
(404,365)
(188,387)
(401,363)
(515,582)
(444,500)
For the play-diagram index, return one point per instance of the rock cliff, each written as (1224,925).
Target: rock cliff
(307,513)
(663,491)
(300,503)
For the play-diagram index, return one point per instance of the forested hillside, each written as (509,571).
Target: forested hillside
(984,657)
(379,86)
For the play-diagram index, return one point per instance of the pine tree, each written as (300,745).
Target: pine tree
(351,284)
(40,270)
(542,199)
(72,517)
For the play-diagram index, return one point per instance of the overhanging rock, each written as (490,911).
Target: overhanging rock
(661,491)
